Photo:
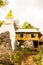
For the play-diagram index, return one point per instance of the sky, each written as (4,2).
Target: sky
(25,10)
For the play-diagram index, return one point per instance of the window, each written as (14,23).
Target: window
(32,35)
(21,35)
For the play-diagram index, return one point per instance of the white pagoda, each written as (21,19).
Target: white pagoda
(8,26)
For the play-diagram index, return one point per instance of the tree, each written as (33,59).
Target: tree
(1,22)
(3,3)
(27,25)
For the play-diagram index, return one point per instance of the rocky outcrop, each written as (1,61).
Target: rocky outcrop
(5,48)
(25,44)
(29,44)
(41,39)
(5,40)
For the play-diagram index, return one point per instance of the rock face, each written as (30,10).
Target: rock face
(5,48)
(25,44)
(41,39)
(29,44)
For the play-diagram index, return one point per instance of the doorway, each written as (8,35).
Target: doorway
(35,43)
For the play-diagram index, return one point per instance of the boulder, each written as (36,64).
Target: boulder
(29,44)
(25,44)
(5,48)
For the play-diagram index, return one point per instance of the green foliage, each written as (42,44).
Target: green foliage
(37,57)
(42,63)
(27,25)
(2,3)
(15,57)
(18,55)
(26,51)
(18,48)
(41,52)
(39,63)
(1,22)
